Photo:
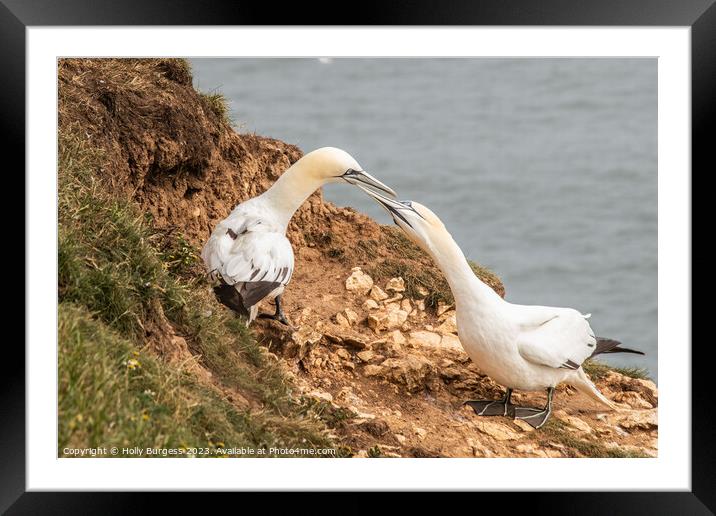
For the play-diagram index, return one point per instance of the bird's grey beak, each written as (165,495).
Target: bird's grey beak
(395,208)
(362,178)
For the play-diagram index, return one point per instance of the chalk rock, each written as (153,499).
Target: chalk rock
(442,308)
(406,305)
(395,284)
(351,316)
(370,304)
(342,320)
(378,294)
(359,281)
(355,342)
(451,342)
(415,372)
(365,356)
(496,430)
(637,420)
(633,399)
(422,338)
(389,318)
(449,324)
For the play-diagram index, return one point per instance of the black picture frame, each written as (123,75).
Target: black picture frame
(700,15)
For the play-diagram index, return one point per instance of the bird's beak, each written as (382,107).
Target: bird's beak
(360,178)
(395,208)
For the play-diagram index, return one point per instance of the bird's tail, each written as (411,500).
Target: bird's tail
(583,384)
(612,346)
(229,296)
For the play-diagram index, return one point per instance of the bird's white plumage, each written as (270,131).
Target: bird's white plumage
(249,246)
(558,338)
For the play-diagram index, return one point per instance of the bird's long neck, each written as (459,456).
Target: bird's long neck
(464,284)
(290,191)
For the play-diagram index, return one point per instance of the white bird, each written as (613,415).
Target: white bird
(519,346)
(248,252)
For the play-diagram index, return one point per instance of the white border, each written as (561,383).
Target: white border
(671,470)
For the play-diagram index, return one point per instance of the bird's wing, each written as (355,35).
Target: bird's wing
(243,250)
(555,337)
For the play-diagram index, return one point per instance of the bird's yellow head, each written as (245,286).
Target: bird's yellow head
(332,165)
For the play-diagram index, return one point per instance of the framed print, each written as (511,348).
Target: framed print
(442,249)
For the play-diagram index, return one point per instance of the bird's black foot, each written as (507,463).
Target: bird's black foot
(535,417)
(278,316)
(490,407)
(501,407)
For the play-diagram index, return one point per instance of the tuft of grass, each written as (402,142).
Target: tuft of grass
(555,431)
(126,293)
(375,452)
(217,103)
(598,370)
(416,268)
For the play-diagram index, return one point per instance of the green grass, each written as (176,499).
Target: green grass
(125,290)
(217,104)
(555,431)
(417,276)
(598,370)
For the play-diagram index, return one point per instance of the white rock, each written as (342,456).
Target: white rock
(370,304)
(351,316)
(359,281)
(341,320)
(377,293)
(396,337)
(366,356)
(424,338)
(395,284)
(452,342)
(343,354)
(449,325)
(442,308)
(497,430)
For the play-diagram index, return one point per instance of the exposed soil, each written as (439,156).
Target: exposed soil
(167,148)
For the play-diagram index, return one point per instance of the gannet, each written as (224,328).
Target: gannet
(248,252)
(521,347)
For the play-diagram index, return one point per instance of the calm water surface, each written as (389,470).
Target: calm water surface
(543,170)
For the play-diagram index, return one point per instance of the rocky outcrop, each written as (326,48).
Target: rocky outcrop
(401,374)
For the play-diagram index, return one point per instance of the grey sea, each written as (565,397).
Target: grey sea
(544,170)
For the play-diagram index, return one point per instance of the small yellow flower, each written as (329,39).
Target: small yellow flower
(133,363)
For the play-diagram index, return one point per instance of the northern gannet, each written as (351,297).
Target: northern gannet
(248,251)
(521,347)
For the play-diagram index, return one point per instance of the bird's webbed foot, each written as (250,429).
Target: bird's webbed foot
(278,315)
(501,407)
(535,417)
(490,407)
